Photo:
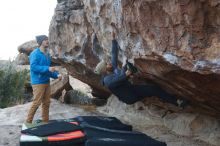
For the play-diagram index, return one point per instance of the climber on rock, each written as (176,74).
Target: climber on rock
(116,80)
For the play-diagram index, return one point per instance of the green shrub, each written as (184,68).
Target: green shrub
(12,85)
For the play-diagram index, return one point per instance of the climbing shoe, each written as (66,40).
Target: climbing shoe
(131,67)
(182,103)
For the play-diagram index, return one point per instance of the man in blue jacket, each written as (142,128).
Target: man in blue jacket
(116,80)
(41,72)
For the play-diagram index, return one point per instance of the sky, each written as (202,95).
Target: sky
(21,21)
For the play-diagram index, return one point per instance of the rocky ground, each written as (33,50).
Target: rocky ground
(13,117)
(170,127)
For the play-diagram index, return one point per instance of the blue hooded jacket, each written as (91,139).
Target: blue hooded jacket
(39,67)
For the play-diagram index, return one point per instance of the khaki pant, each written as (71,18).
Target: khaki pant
(41,94)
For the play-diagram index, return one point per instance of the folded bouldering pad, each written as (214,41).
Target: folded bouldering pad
(38,134)
(84,131)
(103,122)
(52,128)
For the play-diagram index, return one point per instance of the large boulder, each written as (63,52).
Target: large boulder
(27,47)
(24,51)
(173,43)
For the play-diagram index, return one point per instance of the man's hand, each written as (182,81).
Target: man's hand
(60,77)
(52,69)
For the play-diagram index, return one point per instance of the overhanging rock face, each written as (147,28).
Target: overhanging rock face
(175,43)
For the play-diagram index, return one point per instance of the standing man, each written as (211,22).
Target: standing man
(40,72)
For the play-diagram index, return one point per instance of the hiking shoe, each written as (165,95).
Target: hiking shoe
(27,124)
(131,67)
(182,103)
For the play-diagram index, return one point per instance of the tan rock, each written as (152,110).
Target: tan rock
(176,42)
(27,47)
(22,59)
